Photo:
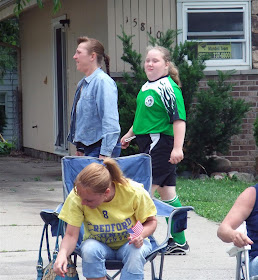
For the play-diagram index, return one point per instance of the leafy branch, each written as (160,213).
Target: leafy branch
(21,4)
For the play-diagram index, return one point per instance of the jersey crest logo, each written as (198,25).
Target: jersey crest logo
(149,101)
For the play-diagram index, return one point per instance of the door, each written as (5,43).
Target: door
(61,116)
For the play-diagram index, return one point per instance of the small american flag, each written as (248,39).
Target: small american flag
(136,230)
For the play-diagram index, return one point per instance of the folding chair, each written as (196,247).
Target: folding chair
(242,258)
(137,168)
(242,261)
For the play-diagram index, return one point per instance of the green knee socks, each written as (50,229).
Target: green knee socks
(178,237)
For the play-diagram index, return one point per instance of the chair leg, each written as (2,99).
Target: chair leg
(238,266)
(246,255)
(161,265)
(242,266)
(153,270)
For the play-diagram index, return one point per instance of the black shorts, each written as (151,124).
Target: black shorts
(159,147)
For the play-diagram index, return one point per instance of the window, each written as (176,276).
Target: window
(2,110)
(2,101)
(222,30)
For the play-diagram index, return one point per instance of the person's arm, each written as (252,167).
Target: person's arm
(67,246)
(149,227)
(239,212)
(129,134)
(179,135)
(106,99)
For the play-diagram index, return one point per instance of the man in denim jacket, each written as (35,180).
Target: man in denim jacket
(95,125)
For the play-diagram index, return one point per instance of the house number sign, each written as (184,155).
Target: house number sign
(142,27)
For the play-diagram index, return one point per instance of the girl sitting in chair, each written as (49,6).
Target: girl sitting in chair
(245,208)
(109,205)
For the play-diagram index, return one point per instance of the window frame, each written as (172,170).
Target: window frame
(60,83)
(186,6)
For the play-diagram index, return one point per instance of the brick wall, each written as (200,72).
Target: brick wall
(243,150)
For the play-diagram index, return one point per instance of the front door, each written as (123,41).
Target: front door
(61,122)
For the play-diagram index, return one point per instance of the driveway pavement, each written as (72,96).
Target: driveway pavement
(29,185)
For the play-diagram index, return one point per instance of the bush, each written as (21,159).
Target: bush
(129,89)
(6,148)
(9,35)
(256,131)
(213,121)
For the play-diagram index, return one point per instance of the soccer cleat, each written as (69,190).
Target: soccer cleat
(174,248)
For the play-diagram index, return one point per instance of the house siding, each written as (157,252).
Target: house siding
(87,18)
(9,90)
(137,17)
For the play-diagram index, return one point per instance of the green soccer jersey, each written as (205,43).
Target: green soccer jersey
(159,104)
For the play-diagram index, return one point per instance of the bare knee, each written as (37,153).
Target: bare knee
(167,192)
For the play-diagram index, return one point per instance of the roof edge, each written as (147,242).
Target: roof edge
(7,8)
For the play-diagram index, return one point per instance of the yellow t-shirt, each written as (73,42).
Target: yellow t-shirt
(108,223)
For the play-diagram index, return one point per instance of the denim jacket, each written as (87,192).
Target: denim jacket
(96,116)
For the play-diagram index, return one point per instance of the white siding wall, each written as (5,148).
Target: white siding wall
(8,91)
(87,17)
(137,17)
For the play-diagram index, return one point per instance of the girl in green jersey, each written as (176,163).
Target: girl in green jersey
(159,127)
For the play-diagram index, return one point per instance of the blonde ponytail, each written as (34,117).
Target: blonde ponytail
(98,177)
(114,170)
(174,73)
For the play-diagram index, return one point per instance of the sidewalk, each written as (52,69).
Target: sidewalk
(29,185)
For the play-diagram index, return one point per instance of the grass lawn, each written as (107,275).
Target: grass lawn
(210,198)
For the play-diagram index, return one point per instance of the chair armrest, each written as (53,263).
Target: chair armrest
(165,210)
(58,209)
(50,217)
(234,250)
(177,214)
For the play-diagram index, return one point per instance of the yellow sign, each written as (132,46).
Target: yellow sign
(215,51)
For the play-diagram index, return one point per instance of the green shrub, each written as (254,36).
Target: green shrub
(211,122)
(6,148)
(9,35)
(215,118)
(129,89)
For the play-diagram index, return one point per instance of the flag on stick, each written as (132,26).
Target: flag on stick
(136,230)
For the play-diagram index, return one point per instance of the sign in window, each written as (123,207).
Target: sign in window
(215,51)
(221,30)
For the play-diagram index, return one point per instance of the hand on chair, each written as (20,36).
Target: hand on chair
(240,239)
